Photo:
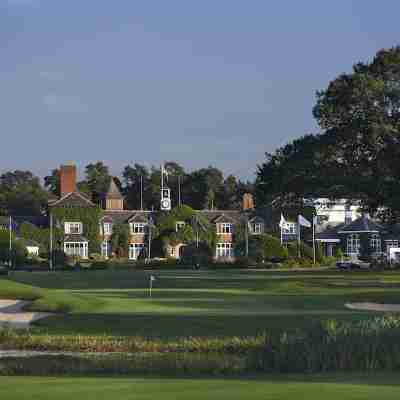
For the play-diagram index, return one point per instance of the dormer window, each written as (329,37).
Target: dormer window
(73,228)
(180,225)
(224,228)
(138,228)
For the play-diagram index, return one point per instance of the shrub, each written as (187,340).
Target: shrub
(273,249)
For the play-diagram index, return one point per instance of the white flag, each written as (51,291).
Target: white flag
(164,171)
(304,222)
(282,222)
(315,220)
(152,278)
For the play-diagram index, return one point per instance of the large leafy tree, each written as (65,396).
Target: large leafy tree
(97,179)
(21,194)
(357,153)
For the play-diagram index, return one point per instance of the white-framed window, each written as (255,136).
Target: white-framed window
(107,228)
(257,228)
(135,250)
(224,250)
(106,248)
(77,249)
(224,228)
(138,228)
(391,244)
(290,228)
(72,228)
(180,225)
(353,244)
(375,243)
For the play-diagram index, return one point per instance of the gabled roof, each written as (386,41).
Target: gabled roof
(214,215)
(362,224)
(124,216)
(113,191)
(73,199)
(138,217)
(224,218)
(257,220)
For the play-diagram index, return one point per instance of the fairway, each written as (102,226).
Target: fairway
(208,303)
(262,388)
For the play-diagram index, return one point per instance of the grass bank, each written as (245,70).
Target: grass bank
(46,300)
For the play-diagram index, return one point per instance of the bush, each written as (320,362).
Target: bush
(274,251)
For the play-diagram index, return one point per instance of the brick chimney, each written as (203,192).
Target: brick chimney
(67,179)
(248,201)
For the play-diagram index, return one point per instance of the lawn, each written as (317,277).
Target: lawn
(350,387)
(202,303)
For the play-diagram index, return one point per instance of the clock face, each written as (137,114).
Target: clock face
(165,203)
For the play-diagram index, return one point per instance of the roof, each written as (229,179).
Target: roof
(329,234)
(215,216)
(113,191)
(73,199)
(125,216)
(362,224)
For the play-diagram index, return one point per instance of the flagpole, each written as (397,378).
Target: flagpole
(10,241)
(141,192)
(298,237)
(151,284)
(313,237)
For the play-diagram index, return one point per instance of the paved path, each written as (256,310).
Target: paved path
(374,307)
(13,315)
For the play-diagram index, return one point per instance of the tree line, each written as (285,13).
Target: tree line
(21,192)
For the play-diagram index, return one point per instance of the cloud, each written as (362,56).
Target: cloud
(64,104)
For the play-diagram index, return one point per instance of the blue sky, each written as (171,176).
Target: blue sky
(205,82)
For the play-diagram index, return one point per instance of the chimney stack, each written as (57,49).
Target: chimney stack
(248,201)
(67,179)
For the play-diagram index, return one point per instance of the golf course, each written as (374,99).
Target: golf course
(195,306)
(196,303)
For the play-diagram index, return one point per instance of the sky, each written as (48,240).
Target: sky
(210,82)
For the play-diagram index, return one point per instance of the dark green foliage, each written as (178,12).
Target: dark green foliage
(262,248)
(120,239)
(90,218)
(195,225)
(21,194)
(18,253)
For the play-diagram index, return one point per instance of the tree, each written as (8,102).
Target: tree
(97,180)
(52,182)
(360,116)
(120,239)
(21,194)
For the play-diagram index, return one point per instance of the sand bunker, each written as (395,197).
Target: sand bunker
(374,307)
(13,315)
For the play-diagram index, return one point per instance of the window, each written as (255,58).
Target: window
(135,250)
(290,228)
(375,243)
(224,228)
(107,228)
(72,228)
(224,250)
(138,227)
(257,228)
(353,244)
(106,249)
(180,225)
(391,244)
(76,249)
(172,251)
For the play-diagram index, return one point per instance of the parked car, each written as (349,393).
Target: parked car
(348,265)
